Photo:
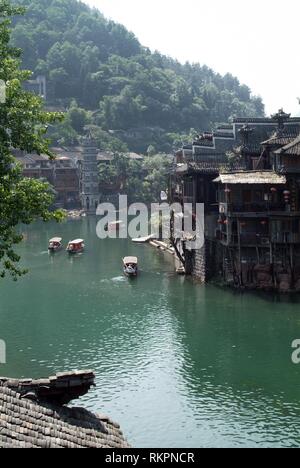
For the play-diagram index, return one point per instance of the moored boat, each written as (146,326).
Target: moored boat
(55,244)
(130,266)
(76,246)
(143,240)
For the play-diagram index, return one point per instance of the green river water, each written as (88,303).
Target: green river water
(176,363)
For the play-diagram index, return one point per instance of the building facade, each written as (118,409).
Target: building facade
(248,176)
(61,173)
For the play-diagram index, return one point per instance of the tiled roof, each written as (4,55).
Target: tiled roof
(291,149)
(220,134)
(26,421)
(60,388)
(280,140)
(208,167)
(225,127)
(226,138)
(251,177)
(32,157)
(264,120)
(206,143)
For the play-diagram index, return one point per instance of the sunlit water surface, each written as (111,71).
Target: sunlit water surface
(177,364)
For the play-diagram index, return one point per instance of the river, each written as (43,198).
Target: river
(177,364)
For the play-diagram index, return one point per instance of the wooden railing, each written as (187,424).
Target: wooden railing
(255,207)
(260,239)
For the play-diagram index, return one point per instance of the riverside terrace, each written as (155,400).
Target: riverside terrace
(248,176)
(33,415)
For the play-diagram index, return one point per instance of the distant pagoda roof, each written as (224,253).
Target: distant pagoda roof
(291,149)
(33,415)
(251,177)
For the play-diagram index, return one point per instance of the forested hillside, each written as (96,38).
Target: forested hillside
(132,95)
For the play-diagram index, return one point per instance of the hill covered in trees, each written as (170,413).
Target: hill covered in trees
(131,97)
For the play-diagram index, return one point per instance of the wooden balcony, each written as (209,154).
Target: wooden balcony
(259,240)
(263,207)
(256,210)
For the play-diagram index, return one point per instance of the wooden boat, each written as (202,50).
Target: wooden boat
(76,246)
(143,240)
(55,244)
(130,266)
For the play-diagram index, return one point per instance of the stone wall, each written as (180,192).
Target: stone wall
(199,264)
(206,261)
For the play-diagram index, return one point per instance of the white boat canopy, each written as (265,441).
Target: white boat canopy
(132,260)
(56,239)
(76,241)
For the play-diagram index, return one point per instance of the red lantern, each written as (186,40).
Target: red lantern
(286,193)
(273,189)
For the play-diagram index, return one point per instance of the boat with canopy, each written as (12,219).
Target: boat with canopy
(130,266)
(76,246)
(55,244)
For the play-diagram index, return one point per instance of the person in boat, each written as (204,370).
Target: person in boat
(54,244)
(75,246)
(130,266)
(131,269)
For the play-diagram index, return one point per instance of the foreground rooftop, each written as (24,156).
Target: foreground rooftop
(32,415)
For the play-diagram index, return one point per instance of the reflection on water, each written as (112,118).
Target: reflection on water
(177,364)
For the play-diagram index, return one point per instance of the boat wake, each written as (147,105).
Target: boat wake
(118,279)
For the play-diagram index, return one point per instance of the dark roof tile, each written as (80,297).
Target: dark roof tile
(35,424)
(208,167)
(291,149)
(280,140)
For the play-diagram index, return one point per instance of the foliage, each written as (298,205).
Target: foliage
(142,181)
(23,124)
(145,97)
(107,141)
